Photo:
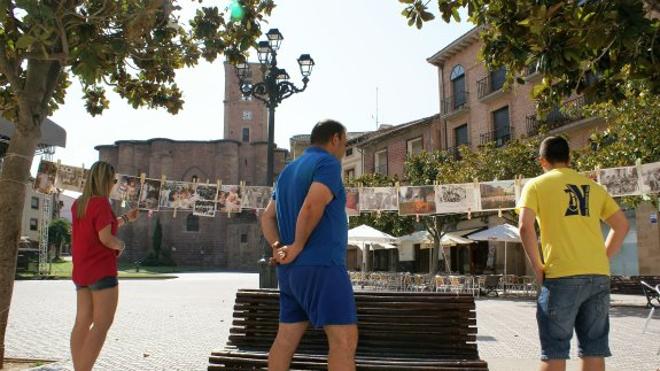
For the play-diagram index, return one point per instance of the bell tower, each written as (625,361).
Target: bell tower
(246,119)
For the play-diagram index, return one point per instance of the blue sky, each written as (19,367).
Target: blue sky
(358,46)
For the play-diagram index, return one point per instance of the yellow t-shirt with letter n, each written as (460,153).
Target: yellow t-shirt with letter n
(569,208)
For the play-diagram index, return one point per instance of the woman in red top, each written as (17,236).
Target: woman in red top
(95,250)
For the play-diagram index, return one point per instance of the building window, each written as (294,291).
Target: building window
(246,135)
(34,224)
(244,238)
(502,128)
(414,146)
(35,203)
(349,174)
(497,78)
(349,152)
(247,115)
(457,78)
(192,223)
(380,162)
(461,135)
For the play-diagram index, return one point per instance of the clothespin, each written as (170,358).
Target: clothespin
(174,214)
(417,218)
(469,213)
(499,212)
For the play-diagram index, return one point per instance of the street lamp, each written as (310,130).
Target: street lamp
(274,88)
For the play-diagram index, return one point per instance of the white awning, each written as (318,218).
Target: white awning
(503,233)
(365,233)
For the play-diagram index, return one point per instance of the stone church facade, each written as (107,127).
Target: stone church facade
(229,242)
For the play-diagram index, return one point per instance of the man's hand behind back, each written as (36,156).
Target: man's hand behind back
(287,254)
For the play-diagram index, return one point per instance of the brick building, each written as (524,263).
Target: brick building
(385,152)
(226,242)
(475,110)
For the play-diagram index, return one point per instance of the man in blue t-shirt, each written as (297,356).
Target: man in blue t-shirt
(306,225)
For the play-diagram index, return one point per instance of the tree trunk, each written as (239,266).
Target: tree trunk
(41,79)
(13,180)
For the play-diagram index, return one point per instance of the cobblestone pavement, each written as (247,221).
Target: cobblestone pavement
(174,325)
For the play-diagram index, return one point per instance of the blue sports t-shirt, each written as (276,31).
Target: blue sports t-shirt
(327,243)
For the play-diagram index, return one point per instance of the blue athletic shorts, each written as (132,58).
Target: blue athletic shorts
(578,302)
(322,295)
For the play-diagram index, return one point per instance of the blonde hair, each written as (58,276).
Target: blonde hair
(98,182)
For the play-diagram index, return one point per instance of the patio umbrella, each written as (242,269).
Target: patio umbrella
(425,238)
(502,233)
(366,234)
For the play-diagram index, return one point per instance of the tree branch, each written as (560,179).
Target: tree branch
(7,69)
(63,39)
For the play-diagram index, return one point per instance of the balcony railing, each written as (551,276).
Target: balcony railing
(569,111)
(499,137)
(455,103)
(490,84)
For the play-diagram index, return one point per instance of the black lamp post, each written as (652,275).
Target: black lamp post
(274,88)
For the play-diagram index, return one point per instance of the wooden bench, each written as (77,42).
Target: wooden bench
(397,331)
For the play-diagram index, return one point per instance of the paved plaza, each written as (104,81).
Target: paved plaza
(174,324)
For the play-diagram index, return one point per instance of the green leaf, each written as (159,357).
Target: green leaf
(537,90)
(455,15)
(24,42)
(426,16)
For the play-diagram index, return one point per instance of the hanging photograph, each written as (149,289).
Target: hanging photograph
(352,201)
(45,180)
(149,194)
(498,195)
(70,178)
(206,192)
(455,198)
(651,178)
(417,200)
(229,199)
(204,208)
(126,190)
(378,199)
(177,195)
(256,197)
(622,181)
(520,187)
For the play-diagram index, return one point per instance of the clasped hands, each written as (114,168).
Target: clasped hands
(284,254)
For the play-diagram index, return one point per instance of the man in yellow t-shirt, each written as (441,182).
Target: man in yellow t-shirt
(574,272)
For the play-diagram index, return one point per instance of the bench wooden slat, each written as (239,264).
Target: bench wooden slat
(398,331)
(320,363)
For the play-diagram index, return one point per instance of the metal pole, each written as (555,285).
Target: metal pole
(505,249)
(268,276)
(270,170)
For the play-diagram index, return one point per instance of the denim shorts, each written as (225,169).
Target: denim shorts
(322,295)
(577,302)
(103,283)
